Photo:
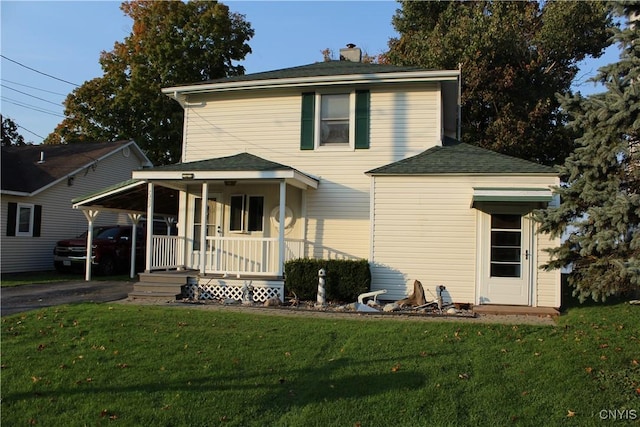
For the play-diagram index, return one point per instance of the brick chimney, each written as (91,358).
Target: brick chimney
(351,53)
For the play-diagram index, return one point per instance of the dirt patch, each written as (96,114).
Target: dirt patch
(332,313)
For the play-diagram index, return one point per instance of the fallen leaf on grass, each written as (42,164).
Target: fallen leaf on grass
(463,376)
(588,369)
(395,368)
(571,413)
(634,362)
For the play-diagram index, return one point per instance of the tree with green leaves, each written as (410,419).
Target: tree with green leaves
(171,43)
(599,213)
(10,134)
(514,58)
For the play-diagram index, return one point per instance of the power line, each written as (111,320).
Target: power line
(28,94)
(22,127)
(39,72)
(33,87)
(30,107)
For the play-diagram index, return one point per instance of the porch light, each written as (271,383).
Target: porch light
(230,183)
(187,176)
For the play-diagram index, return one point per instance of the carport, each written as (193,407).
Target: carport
(137,199)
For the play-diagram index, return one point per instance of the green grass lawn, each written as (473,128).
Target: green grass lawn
(113,364)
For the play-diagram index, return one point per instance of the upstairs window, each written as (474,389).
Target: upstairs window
(335,120)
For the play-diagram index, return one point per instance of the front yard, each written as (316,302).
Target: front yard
(114,364)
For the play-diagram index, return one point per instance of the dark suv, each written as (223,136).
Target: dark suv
(111,251)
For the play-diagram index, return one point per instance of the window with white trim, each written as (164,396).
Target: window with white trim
(335,116)
(246,213)
(24,220)
(335,119)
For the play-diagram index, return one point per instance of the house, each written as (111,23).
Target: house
(348,160)
(38,184)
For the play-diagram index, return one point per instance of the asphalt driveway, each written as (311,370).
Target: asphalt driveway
(17,299)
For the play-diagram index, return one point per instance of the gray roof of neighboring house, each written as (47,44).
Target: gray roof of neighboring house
(23,171)
(237,162)
(459,158)
(329,68)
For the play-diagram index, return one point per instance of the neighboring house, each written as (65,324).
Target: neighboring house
(38,184)
(357,161)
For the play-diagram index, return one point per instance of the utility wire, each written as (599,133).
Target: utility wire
(32,96)
(22,127)
(33,87)
(30,107)
(39,72)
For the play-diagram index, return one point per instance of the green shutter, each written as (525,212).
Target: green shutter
(362,118)
(307,125)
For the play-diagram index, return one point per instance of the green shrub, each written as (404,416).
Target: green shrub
(345,279)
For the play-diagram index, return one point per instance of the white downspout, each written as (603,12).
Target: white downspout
(91,215)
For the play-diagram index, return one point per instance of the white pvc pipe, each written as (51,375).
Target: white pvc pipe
(373,294)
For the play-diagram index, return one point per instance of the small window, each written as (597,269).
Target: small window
(237,213)
(246,213)
(256,213)
(24,220)
(334,119)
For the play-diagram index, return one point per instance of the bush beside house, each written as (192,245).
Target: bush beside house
(345,279)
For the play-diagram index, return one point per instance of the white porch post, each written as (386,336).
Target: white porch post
(135,219)
(203,227)
(281,218)
(150,204)
(91,215)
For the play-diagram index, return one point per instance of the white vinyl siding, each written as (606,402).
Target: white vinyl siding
(402,124)
(425,229)
(59,220)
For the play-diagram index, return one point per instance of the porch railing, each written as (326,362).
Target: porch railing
(231,255)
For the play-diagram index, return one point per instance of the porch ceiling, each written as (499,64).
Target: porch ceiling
(131,197)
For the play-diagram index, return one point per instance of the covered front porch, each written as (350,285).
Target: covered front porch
(227,218)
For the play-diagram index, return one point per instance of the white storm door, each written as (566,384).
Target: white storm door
(213,224)
(506,265)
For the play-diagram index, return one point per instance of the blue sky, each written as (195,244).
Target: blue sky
(64,40)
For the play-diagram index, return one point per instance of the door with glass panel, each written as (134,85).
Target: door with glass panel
(213,227)
(506,259)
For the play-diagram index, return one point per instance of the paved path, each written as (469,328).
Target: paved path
(17,299)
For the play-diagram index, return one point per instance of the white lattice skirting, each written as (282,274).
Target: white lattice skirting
(232,290)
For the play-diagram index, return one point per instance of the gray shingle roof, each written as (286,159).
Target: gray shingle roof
(318,69)
(237,162)
(461,158)
(23,172)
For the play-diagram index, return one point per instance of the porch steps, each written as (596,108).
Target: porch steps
(159,285)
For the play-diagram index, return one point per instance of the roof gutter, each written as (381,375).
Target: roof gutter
(179,92)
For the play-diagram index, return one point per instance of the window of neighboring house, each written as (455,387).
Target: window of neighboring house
(23,219)
(335,120)
(246,213)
